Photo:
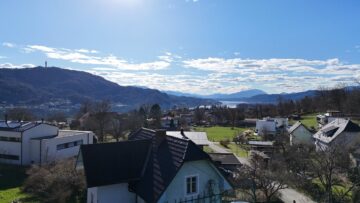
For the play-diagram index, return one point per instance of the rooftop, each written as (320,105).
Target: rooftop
(199,138)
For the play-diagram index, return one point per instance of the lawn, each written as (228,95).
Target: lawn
(11,178)
(308,120)
(218,133)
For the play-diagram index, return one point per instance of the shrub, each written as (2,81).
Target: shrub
(55,182)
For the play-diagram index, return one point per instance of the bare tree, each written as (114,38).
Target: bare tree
(101,115)
(260,176)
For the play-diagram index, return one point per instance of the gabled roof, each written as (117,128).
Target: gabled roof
(168,155)
(225,158)
(331,130)
(296,126)
(111,163)
(199,138)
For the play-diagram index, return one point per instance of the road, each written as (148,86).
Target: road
(287,195)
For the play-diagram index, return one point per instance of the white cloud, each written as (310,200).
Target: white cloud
(13,66)
(8,44)
(3,57)
(91,57)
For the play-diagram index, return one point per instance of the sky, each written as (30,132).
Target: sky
(192,46)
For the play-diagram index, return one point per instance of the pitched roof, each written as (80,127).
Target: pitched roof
(111,163)
(168,155)
(199,138)
(295,126)
(225,158)
(331,130)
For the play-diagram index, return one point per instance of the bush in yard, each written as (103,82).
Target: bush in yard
(225,143)
(55,182)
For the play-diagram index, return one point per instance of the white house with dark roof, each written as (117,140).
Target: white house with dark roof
(299,134)
(25,143)
(150,167)
(338,131)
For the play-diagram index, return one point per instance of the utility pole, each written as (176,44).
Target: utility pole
(45,64)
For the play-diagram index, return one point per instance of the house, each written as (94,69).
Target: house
(338,131)
(299,134)
(328,117)
(25,143)
(270,126)
(199,138)
(168,122)
(150,167)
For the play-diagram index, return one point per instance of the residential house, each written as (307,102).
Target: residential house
(328,117)
(168,122)
(25,143)
(271,126)
(150,167)
(338,131)
(199,138)
(299,134)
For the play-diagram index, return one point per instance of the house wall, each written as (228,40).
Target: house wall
(49,151)
(41,130)
(10,148)
(264,126)
(301,135)
(116,193)
(205,172)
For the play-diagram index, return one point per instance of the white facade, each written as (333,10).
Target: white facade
(207,176)
(40,143)
(270,126)
(300,135)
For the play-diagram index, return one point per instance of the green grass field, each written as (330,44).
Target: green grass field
(308,120)
(218,133)
(11,179)
(238,150)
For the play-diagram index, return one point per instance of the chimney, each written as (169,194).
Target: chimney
(42,120)
(160,135)
(6,118)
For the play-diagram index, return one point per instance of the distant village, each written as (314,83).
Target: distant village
(247,153)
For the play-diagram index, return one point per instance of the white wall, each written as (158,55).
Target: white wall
(49,151)
(35,132)
(204,170)
(10,148)
(265,126)
(301,135)
(116,193)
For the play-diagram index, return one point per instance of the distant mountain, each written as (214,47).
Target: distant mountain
(274,98)
(237,95)
(39,85)
(233,96)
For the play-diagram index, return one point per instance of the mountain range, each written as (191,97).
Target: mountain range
(39,85)
(236,96)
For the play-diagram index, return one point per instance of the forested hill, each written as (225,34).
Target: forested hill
(39,85)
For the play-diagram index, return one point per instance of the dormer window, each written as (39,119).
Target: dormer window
(191,185)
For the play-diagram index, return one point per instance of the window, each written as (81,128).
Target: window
(191,185)
(8,156)
(69,144)
(10,139)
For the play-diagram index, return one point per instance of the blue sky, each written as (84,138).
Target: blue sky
(194,46)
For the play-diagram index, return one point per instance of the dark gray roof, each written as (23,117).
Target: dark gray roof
(225,158)
(112,163)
